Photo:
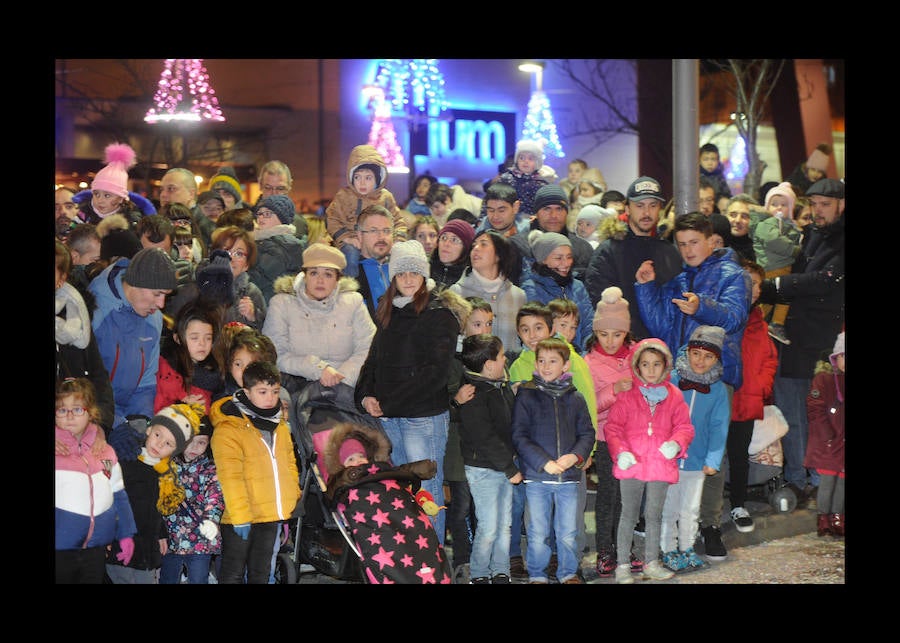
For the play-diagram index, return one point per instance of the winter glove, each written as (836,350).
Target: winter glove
(184,271)
(669,449)
(768,293)
(242,530)
(209,529)
(626,460)
(127,547)
(127,437)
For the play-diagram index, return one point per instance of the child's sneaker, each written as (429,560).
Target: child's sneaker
(742,520)
(691,561)
(674,560)
(776,332)
(623,574)
(606,562)
(655,571)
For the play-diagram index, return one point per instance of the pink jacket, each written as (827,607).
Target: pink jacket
(631,427)
(606,370)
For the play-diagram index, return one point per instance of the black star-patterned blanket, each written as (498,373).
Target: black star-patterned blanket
(397,541)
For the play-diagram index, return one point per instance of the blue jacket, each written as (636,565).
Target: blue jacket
(537,287)
(724,289)
(710,415)
(128,343)
(548,424)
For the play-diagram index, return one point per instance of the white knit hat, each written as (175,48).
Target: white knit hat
(535,147)
(408,256)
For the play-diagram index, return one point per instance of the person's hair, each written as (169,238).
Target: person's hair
(370,211)
(175,211)
(415,184)
(182,235)
(580,162)
(464,215)
(386,303)
(560,307)
(81,237)
(261,371)
(241,217)
(592,340)
(478,349)
(560,346)
(612,196)
(82,389)
(423,220)
(752,266)
(225,238)
(800,204)
(63,259)
(535,309)
(480,304)
(156,226)
(196,310)
(235,336)
(276,167)
(741,198)
(709,147)
(501,192)
(706,184)
(503,248)
(694,221)
(438,192)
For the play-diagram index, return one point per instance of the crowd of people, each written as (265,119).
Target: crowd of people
(522,346)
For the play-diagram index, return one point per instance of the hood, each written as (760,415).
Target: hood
(376,443)
(362,154)
(293,284)
(457,305)
(640,347)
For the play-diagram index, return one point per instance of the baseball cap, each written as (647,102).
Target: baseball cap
(644,187)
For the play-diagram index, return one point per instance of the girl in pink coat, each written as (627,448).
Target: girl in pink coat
(648,429)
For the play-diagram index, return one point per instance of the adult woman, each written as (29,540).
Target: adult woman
(249,305)
(403,380)
(319,323)
(451,257)
(492,258)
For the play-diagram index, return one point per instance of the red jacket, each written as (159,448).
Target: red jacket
(825,414)
(760,361)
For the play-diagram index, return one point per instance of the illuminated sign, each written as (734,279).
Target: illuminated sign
(470,140)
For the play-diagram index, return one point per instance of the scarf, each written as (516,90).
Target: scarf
(264,419)
(654,394)
(544,271)
(688,379)
(75,326)
(557,387)
(171,494)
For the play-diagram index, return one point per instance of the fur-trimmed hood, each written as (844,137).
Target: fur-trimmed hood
(376,443)
(293,284)
(457,305)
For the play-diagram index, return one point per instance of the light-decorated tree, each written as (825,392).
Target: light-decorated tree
(184,93)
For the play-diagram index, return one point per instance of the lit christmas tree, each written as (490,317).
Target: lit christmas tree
(184,93)
(382,135)
(539,125)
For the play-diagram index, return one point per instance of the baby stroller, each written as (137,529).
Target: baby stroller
(765,478)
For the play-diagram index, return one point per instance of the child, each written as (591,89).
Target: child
(698,373)
(574,171)
(590,191)
(461,518)
(525,175)
(776,242)
(565,318)
(553,434)
(242,345)
(92,508)
(416,204)
(712,168)
(487,451)
(587,220)
(647,428)
(257,469)
(609,361)
(814,169)
(387,511)
(825,448)
(367,177)
(154,492)
(193,528)
(615,200)
(188,369)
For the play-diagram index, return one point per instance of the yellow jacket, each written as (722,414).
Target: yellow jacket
(258,484)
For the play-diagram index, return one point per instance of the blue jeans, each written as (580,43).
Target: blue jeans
(518,520)
(353,256)
(552,508)
(790,397)
(422,438)
(492,492)
(197,568)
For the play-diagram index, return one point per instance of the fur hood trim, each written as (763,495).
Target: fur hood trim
(285,284)
(457,305)
(376,443)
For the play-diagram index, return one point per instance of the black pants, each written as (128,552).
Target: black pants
(608,501)
(739,435)
(81,566)
(253,556)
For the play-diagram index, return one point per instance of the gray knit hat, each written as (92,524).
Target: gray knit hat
(281,205)
(712,338)
(543,243)
(408,256)
(151,268)
(550,195)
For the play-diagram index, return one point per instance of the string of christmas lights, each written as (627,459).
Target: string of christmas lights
(539,125)
(184,93)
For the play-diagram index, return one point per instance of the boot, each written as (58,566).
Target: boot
(837,525)
(823,526)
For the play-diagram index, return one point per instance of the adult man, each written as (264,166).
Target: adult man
(178,185)
(375,225)
(128,322)
(737,210)
(551,207)
(616,260)
(501,213)
(815,291)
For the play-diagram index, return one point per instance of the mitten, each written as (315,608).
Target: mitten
(209,529)
(242,530)
(669,449)
(125,441)
(768,293)
(626,460)
(127,547)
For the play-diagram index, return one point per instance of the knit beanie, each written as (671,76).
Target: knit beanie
(787,191)
(535,147)
(463,230)
(543,243)
(209,195)
(114,177)
(712,338)
(350,446)
(226,180)
(592,213)
(818,160)
(119,243)
(181,420)
(408,256)
(151,268)
(550,195)
(612,311)
(838,345)
(281,205)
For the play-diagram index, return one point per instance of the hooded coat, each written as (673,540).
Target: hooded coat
(825,411)
(342,213)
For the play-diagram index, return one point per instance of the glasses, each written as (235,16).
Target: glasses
(237,254)
(450,238)
(185,243)
(275,188)
(264,214)
(384,232)
(77,411)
